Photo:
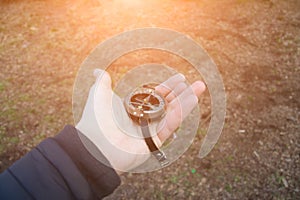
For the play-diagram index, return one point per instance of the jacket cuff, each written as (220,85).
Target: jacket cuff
(102,178)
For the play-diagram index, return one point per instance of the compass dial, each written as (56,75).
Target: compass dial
(145,102)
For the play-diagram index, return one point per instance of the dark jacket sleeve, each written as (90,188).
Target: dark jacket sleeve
(58,168)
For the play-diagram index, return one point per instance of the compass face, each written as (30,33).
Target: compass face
(145,103)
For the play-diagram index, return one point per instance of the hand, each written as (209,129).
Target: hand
(105,121)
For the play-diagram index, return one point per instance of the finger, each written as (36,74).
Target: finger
(196,89)
(166,87)
(176,91)
(175,116)
(179,109)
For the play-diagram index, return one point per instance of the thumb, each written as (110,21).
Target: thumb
(103,79)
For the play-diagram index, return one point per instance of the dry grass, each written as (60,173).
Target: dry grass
(255,44)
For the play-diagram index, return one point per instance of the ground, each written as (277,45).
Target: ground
(255,44)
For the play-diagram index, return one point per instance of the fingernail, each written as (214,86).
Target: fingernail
(98,72)
(182,76)
(199,87)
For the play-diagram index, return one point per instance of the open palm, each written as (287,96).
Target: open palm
(106,123)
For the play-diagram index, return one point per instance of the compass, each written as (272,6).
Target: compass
(144,102)
(145,105)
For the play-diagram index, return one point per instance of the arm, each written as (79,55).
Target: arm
(77,163)
(58,168)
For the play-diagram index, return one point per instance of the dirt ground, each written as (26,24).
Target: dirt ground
(255,44)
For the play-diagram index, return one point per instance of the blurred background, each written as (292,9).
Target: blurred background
(255,44)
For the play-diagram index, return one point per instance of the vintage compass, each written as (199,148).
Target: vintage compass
(144,105)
